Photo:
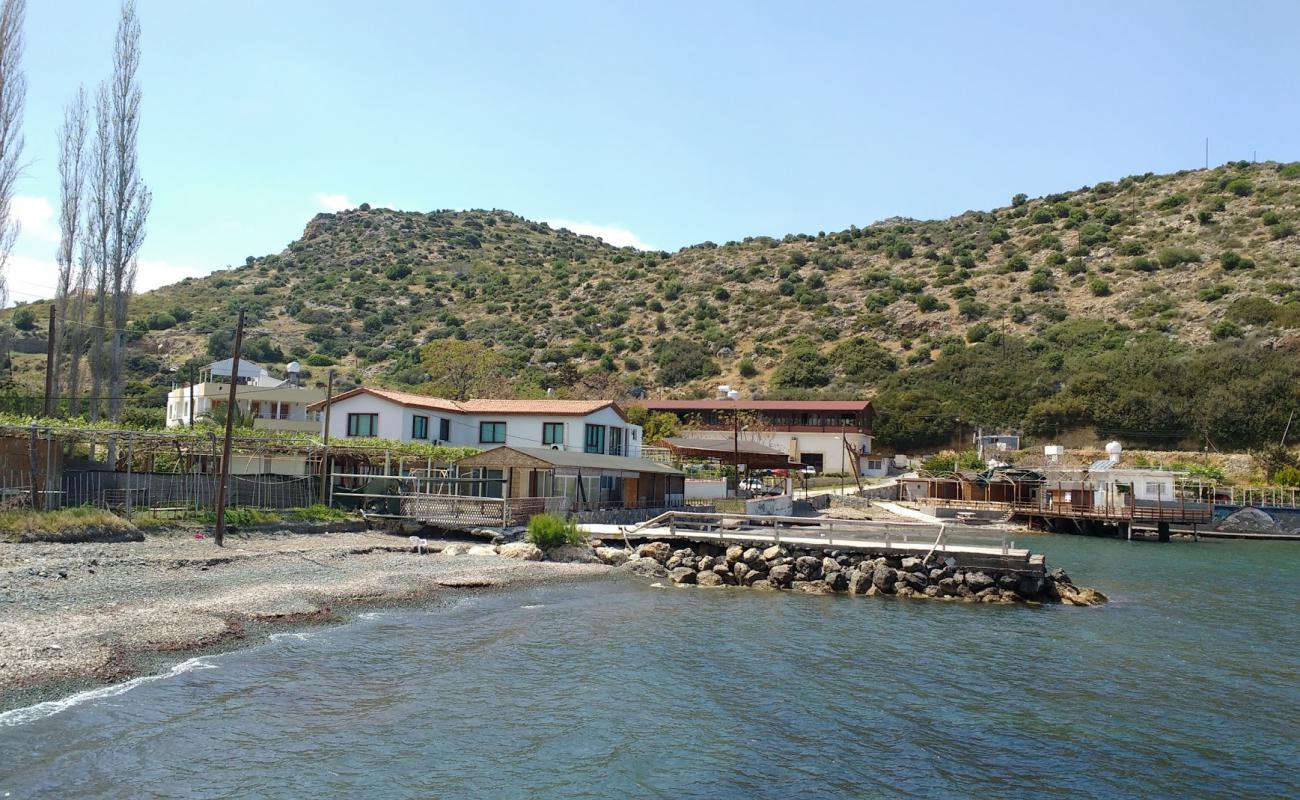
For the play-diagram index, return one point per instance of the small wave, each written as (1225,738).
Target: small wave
(539,605)
(369,615)
(298,635)
(21,716)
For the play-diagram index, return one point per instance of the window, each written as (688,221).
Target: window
(873,464)
(419,427)
(363,424)
(615,441)
(492,433)
(444,430)
(595,442)
(1153,489)
(552,433)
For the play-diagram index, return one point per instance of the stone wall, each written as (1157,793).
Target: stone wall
(816,571)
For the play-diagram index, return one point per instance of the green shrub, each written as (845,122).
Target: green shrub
(24,319)
(1211,293)
(547,531)
(1240,187)
(1289,170)
(1098,287)
(1041,281)
(1172,201)
(1224,329)
(397,272)
(1282,230)
(747,368)
(1171,257)
(1232,261)
(158,321)
(1286,476)
(1132,247)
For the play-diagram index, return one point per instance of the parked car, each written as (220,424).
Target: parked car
(755,486)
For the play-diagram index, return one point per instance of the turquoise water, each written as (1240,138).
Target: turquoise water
(1185,685)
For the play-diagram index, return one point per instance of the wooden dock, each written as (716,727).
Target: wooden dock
(983,547)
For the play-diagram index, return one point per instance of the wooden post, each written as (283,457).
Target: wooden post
(325,435)
(31,457)
(230,423)
(191,398)
(49,366)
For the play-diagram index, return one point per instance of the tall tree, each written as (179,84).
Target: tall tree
(13,90)
(94,245)
(72,181)
(130,196)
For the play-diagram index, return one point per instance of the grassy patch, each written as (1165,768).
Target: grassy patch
(67,524)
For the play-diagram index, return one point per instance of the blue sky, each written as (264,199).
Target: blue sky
(663,124)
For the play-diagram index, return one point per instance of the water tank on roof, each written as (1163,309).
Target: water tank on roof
(1053,450)
(293,367)
(1113,449)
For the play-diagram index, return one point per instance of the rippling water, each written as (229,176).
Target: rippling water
(1185,685)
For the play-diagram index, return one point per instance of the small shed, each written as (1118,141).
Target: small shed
(588,480)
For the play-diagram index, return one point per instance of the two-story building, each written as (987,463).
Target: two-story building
(277,404)
(578,426)
(827,435)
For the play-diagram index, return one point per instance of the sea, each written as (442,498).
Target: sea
(1186,684)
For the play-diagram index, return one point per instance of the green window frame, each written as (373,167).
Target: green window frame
(491,433)
(552,433)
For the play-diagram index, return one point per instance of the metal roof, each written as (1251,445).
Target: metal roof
(567,458)
(1103,465)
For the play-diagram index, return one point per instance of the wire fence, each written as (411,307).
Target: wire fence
(131,492)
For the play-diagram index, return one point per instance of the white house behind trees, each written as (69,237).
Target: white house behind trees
(271,403)
(578,426)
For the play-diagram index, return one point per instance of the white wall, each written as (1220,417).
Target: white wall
(830,445)
(522,430)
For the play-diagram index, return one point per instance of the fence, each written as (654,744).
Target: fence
(158,491)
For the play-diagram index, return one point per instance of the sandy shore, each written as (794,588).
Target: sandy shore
(94,613)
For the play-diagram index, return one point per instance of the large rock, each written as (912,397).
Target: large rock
(1029,586)
(521,551)
(682,575)
(859,581)
(762,585)
(1075,596)
(647,567)
(481,550)
(782,575)
(735,553)
(808,567)
(948,587)
(774,552)
(455,549)
(978,581)
(614,556)
(830,565)
(709,578)
(883,577)
(740,569)
(579,554)
(706,562)
(659,551)
(916,581)
(837,580)
(812,587)
(752,556)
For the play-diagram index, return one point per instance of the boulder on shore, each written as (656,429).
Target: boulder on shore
(580,554)
(708,578)
(682,575)
(521,551)
(614,556)
(645,566)
(659,551)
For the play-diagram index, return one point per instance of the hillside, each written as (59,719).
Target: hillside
(923,312)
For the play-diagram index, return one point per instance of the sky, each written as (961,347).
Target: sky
(657,125)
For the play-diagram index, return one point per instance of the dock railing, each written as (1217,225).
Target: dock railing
(828,533)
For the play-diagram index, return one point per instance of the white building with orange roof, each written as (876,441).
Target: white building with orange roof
(577,426)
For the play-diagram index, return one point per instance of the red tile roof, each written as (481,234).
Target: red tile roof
(758,405)
(480,406)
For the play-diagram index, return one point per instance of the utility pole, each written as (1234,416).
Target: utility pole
(49,367)
(230,423)
(191,397)
(325,436)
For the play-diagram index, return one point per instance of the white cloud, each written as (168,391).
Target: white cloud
(611,234)
(332,202)
(36,215)
(153,273)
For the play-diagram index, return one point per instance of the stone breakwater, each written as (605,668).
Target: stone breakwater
(779,567)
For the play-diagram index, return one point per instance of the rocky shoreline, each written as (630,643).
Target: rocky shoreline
(74,616)
(778,567)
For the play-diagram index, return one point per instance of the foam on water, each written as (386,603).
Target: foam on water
(20,716)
